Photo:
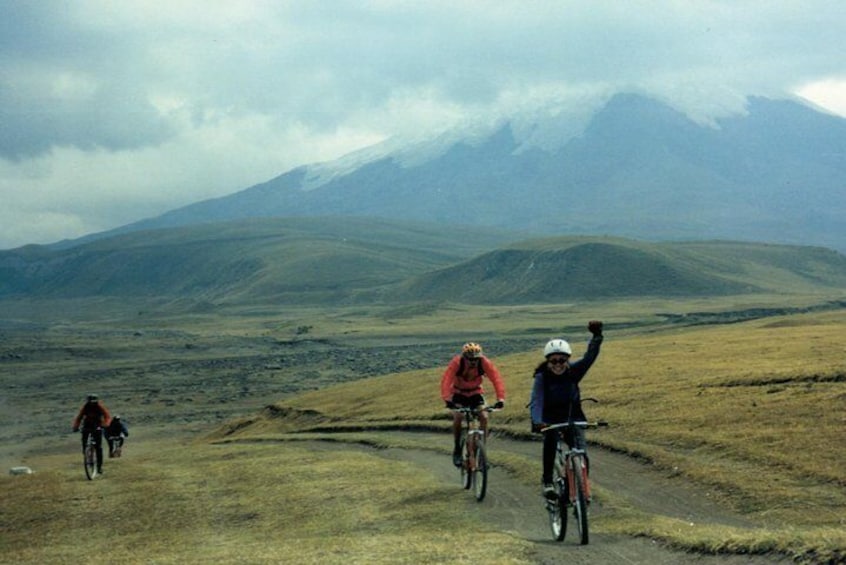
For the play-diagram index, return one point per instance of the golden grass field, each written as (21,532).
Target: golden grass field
(200,503)
(753,411)
(757,411)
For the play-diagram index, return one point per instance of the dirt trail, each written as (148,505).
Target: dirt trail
(517,507)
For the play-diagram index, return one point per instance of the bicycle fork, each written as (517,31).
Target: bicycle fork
(577,464)
(474,436)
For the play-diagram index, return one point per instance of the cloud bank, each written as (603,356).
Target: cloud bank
(115,111)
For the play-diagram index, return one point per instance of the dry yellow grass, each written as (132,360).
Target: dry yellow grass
(754,410)
(243,504)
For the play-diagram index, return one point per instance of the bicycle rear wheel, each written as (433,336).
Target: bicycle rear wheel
(90,461)
(480,472)
(466,475)
(558,508)
(580,510)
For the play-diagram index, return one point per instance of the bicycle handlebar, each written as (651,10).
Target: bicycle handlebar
(468,410)
(577,424)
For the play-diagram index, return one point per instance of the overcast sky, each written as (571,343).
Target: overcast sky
(114,111)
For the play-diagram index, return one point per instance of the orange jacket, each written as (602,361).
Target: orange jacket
(470,382)
(92,416)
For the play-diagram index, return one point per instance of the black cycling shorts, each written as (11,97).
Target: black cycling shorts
(472,401)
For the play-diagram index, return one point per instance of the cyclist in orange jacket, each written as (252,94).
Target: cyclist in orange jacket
(93,417)
(461,386)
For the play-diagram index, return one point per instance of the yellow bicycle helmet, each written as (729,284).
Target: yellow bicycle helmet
(471,350)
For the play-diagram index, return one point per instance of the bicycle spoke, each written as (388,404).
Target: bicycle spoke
(580,502)
(558,508)
(480,474)
(466,476)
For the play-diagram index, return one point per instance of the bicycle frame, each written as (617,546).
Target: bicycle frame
(571,461)
(573,484)
(474,467)
(115,445)
(471,430)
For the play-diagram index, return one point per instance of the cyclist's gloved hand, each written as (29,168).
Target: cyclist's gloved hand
(451,405)
(499,404)
(537,427)
(595,327)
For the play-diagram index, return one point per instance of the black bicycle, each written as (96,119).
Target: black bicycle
(115,445)
(572,484)
(89,454)
(474,456)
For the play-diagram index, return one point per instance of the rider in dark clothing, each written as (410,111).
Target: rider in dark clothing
(93,416)
(115,432)
(556,397)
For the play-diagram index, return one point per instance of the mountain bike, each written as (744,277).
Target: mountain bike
(572,484)
(115,445)
(474,456)
(89,455)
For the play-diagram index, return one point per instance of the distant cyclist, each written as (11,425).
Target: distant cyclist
(461,386)
(116,431)
(93,416)
(556,397)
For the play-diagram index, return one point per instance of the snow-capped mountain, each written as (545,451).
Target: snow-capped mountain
(632,167)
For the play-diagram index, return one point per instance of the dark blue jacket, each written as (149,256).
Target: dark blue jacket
(116,428)
(555,398)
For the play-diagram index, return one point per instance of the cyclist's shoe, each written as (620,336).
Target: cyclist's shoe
(549,491)
(456,459)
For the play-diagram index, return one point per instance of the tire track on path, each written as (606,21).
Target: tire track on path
(517,508)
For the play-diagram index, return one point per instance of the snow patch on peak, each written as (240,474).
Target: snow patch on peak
(551,127)
(547,126)
(407,152)
(318,174)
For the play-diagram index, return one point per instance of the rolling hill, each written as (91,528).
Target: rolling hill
(341,261)
(563,269)
(312,260)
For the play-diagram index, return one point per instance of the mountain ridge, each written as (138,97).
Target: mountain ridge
(638,168)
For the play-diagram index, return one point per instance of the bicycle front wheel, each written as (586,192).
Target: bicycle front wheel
(558,508)
(580,510)
(90,461)
(466,475)
(480,472)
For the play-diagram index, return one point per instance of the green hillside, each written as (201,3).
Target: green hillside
(260,260)
(569,268)
(336,261)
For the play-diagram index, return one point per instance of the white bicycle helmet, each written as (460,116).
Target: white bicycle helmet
(557,346)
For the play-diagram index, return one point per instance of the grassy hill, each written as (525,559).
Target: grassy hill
(331,261)
(260,260)
(565,269)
